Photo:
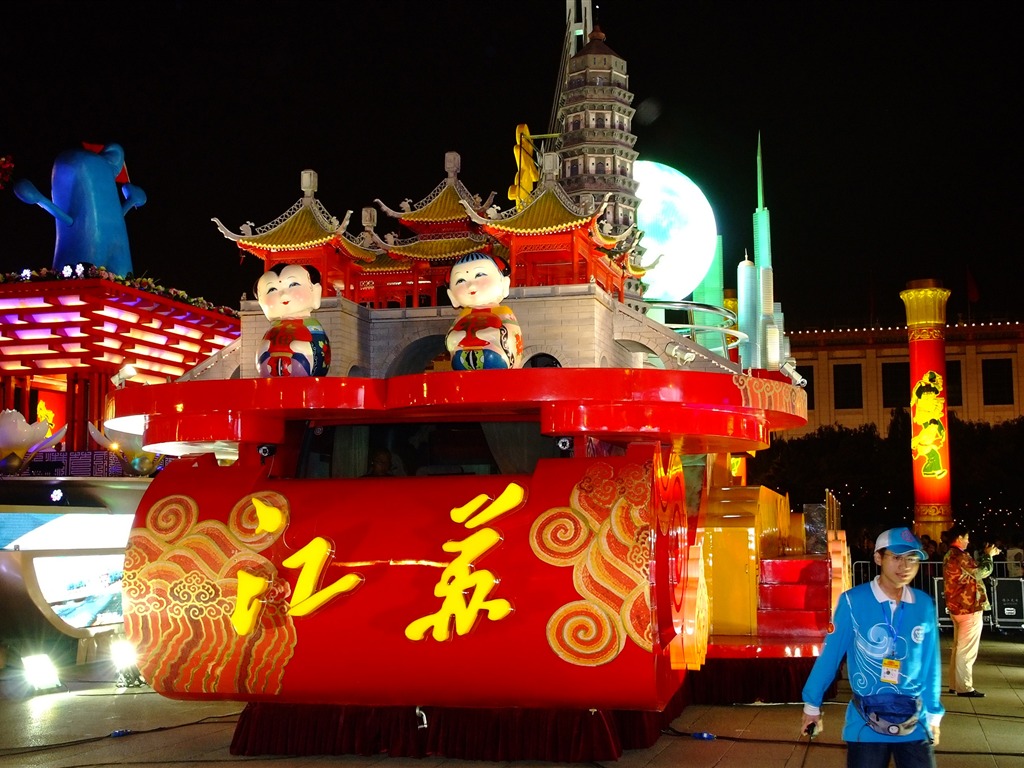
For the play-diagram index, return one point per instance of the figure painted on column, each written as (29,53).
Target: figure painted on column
(486,333)
(927,410)
(296,343)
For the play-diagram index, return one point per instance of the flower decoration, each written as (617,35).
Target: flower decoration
(134,460)
(20,441)
(88,271)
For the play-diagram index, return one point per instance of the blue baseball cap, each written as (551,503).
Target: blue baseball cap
(900,541)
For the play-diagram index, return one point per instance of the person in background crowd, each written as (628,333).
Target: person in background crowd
(1015,560)
(929,546)
(888,633)
(943,547)
(863,545)
(966,601)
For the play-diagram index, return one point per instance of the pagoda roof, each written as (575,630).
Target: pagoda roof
(307,224)
(619,248)
(609,240)
(364,248)
(550,210)
(401,255)
(625,260)
(446,203)
(438,249)
(596,45)
(385,263)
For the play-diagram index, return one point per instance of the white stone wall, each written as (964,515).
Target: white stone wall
(581,326)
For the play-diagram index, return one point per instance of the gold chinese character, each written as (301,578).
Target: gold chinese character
(311,559)
(247,606)
(463,589)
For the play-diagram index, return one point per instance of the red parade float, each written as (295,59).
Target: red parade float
(552,570)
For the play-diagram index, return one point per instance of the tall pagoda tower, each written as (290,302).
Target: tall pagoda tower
(594,123)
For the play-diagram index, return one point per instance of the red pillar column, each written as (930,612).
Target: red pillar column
(25,398)
(925,302)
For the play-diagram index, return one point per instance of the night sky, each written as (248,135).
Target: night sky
(891,143)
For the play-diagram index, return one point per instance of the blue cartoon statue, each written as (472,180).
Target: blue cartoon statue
(87,208)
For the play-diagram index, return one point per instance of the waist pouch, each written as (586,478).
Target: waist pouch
(891,714)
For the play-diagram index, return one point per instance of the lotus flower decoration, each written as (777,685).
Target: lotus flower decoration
(134,461)
(20,441)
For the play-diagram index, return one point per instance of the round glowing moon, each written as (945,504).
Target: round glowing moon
(678,225)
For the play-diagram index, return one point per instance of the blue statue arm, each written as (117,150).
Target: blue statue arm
(134,197)
(26,191)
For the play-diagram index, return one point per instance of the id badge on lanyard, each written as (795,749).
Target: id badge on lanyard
(890,671)
(890,665)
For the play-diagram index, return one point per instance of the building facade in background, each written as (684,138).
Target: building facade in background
(858,376)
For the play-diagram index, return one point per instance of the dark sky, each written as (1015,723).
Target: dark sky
(890,135)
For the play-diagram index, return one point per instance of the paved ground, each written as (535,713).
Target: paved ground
(76,727)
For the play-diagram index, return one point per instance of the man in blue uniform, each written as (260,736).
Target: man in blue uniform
(889,635)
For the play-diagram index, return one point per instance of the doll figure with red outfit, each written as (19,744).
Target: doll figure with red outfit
(486,333)
(296,343)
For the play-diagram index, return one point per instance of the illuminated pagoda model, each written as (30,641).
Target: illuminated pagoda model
(579,229)
(553,240)
(365,268)
(595,139)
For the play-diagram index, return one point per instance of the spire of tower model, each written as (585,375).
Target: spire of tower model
(581,25)
(762,223)
(760,178)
